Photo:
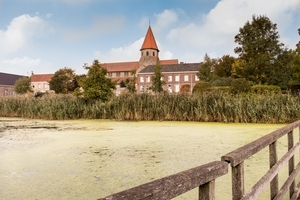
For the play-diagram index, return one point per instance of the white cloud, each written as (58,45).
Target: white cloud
(20,64)
(215,32)
(165,19)
(20,31)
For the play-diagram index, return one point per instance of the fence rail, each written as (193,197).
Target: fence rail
(204,176)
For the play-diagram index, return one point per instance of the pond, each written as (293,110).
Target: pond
(89,159)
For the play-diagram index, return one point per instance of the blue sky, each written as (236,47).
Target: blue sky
(45,35)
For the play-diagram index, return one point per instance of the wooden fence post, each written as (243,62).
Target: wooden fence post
(273,158)
(207,191)
(238,188)
(291,161)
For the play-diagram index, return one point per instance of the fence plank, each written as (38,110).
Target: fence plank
(238,188)
(207,191)
(291,161)
(174,185)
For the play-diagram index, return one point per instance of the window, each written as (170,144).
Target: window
(109,74)
(147,79)
(147,88)
(196,78)
(6,92)
(141,79)
(147,53)
(153,53)
(125,73)
(39,85)
(177,78)
(118,74)
(45,86)
(186,77)
(176,88)
(142,88)
(169,78)
(170,88)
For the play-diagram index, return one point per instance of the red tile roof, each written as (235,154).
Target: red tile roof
(121,66)
(41,77)
(149,42)
(169,62)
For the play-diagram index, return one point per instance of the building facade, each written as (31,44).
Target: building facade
(40,82)
(7,82)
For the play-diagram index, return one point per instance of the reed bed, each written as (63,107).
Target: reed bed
(206,107)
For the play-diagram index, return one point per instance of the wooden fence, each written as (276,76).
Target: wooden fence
(204,176)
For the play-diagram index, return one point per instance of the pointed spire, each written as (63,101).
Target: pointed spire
(149,42)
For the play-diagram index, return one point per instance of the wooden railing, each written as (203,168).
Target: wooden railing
(237,157)
(204,176)
(169,187)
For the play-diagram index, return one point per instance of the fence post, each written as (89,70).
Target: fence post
(238,188)
(273,158)
(207,191)
(291,161)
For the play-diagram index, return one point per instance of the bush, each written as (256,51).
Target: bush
(201,86)
(223,81)
(265,89)
(240,85)
(224,89)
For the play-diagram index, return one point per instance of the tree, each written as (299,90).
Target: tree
(206,69)
(157,82)
(95,85)
(259,48)
(130,83)
(22,85)
(63,81)
(223,67)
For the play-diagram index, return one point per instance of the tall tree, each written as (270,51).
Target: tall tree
(130,83)
(206,69)
(223,67)
(259,48)
(22,85)
(63,81)
(157,82)
(296,65)
(95,85)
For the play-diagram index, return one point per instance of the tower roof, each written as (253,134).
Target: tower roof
(149,42)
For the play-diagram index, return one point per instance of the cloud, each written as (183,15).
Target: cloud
(165,19)
(216,30)
(16,65)
(20,31)
(98,27)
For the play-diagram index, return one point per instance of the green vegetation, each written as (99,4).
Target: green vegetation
(22,85)
(207,107)
(63,81)
(157,82)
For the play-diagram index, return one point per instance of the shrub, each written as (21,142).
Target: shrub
(240,85)
(265,89)
(201,86)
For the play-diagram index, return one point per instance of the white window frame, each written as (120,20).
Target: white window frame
(196,78)
(177,88)
(148,79)
(169,78)
(141,88)
(186,77)
(142,79)
(170,88)
(177,78)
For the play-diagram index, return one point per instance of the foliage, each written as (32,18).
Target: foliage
(223,81)
(259,49)
(95,85)
(130,83)
(185,89)
(63,81)
(265,89)
(201,87)
(207,107)
(157,82)
(206,69)
(240,85)
(295,80)
(223,67)
(22,85)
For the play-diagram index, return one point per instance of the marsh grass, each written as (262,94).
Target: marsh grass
(207,107)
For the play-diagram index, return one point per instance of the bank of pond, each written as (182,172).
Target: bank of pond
(205,107)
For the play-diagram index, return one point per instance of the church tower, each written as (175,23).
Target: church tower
(149,51)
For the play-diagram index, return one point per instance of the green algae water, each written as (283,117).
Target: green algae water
(90,159)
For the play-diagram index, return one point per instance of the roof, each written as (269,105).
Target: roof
(9,79)
(168,62)
(121,66)
(41,77)
(149,42)
(182,67)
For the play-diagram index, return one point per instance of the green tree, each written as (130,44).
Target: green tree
(63,81)
(295,80)
(259,48)
(206,69)
(130,83)
(95,85)
(223,67)
(22,85)
(157,82)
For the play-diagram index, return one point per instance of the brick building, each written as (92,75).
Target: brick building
(7,82)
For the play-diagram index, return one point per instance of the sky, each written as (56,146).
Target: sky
(43,36)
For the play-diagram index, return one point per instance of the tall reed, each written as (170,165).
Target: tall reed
(206,107)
